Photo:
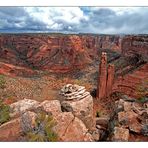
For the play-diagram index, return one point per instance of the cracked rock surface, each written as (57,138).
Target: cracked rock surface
(79,102)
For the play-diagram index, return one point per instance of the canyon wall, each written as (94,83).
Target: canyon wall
(20,53)
(55,52)
(131,79)
(134,84)
(132,45)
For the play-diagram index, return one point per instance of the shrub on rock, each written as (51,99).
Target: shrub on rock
(43,129)
(2,82)
(4,113)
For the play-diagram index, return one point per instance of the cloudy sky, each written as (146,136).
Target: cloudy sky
(106,20)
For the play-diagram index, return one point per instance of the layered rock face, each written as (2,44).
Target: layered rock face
(78,101)
(134,83)
(132,45)
(54,52)
(106,77)
(133,78)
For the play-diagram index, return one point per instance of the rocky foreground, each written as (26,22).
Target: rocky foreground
(74,119)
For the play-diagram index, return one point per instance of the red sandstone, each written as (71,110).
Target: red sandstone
(101,91)
(55,52)
(110,79)
(106,77)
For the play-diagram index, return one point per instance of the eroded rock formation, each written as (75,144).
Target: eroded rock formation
(133,84)
(78,101)
(55,52)
(106,77)
(132,45)
(101,90)
(110,79)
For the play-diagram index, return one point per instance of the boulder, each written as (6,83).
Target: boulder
(119,105)
(120,134)
(22,106)
(63,120)
(102,121)
(135,126)
(144,130)
(70,128)
(79,102)
(128,106)
(53,107)
(130,119)
(122,118)
(76,132)
(11,131)
(96,135)
(83,109)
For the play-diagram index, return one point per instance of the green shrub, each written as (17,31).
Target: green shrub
(98,114)
(43,130)
(142,100)
(2,82)
(142,90)
(4,113)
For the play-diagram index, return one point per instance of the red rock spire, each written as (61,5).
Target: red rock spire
(101,90)
(110,79)
(106,77)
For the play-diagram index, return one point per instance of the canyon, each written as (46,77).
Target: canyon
(112,68)
(54,52)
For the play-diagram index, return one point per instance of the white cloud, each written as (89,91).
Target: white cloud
(54,18)
(75,19)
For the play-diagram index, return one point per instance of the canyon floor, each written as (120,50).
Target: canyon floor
(46,86)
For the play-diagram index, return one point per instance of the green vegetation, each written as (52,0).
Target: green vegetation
(98,114)
(2,82)
(142,100)
(4,113)
(43,131)
(142,91)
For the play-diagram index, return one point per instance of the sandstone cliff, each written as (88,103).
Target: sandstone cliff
(132,45)
(55,52)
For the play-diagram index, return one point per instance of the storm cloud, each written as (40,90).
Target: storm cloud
(107,20)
